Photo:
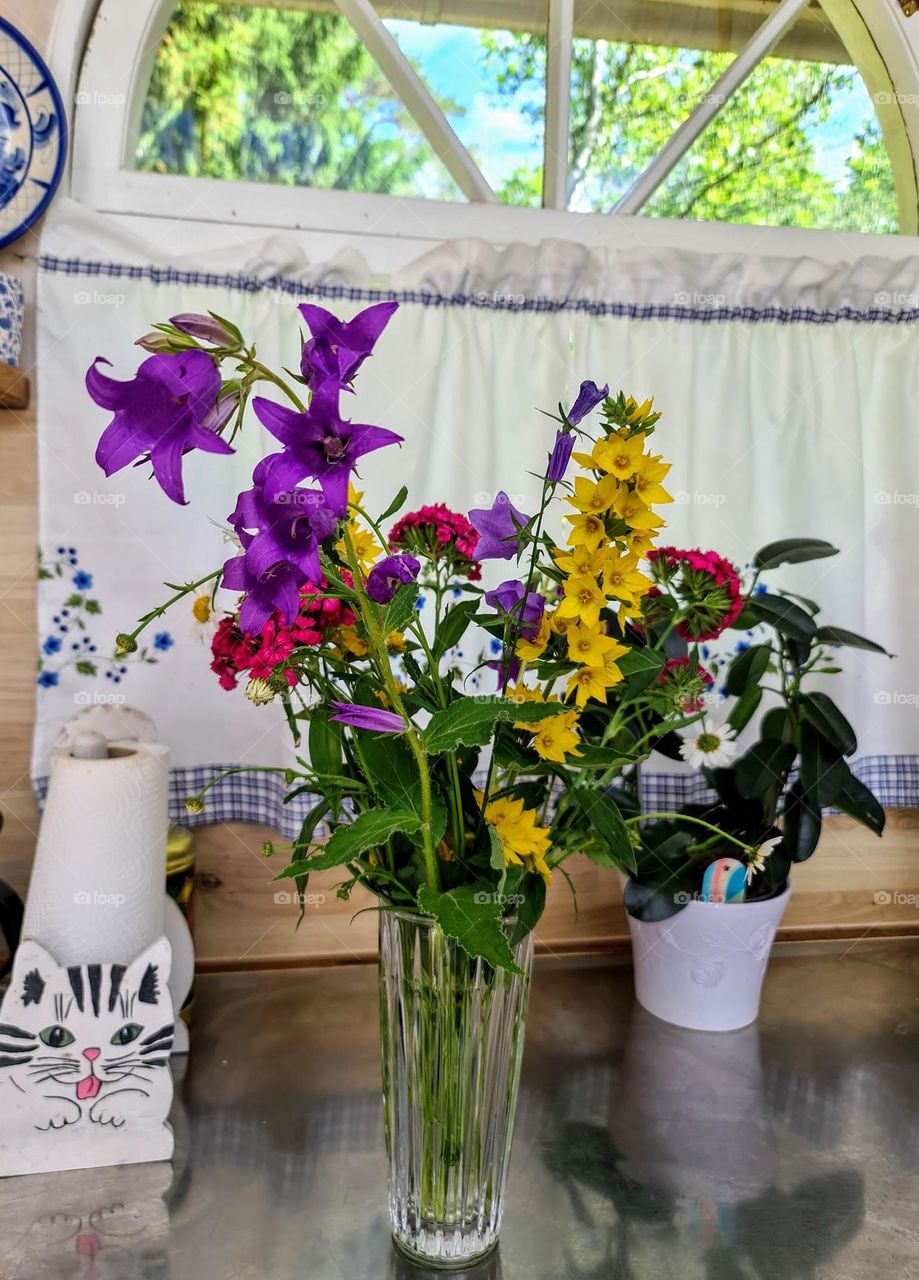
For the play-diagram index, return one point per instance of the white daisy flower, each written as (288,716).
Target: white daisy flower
(204,618)
(756,861)
(709,747)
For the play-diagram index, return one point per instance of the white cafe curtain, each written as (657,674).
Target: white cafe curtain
(788,390)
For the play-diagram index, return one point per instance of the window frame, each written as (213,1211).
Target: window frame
(109,89)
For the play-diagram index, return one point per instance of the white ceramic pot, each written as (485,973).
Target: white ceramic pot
(704,967)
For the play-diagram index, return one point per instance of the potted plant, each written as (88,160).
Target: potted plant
(453,807)
(703,913)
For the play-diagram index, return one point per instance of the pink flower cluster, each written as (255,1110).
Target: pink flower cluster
(441,533)
(260,656)
(711,584)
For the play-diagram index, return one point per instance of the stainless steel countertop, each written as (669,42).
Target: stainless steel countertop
(786,1151)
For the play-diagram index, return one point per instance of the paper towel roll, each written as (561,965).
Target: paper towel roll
(96,892)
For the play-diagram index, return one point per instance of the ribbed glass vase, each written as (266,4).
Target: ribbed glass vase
(452,1031)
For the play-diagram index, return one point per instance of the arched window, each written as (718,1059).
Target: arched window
(745,111)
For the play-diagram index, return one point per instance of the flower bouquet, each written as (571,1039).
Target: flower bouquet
(453,807)
(712,881)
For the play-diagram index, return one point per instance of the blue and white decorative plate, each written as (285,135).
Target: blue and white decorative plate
(33,134)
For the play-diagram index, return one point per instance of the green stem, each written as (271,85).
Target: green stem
(145,621)
(699,822)
(416,746)
(270,376)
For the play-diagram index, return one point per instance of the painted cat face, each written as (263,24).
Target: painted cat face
(87,1026)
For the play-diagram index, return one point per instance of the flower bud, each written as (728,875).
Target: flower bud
(267,849)
(125,643)
(277,682)
(155,342)
(206,329)
(259,692)
(194,804)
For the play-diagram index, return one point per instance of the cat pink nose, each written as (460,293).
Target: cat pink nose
(91,1054)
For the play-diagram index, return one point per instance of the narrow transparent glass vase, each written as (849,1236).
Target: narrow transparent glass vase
(451,1031)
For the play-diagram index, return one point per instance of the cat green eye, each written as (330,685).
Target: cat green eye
(56,1037)
(124,1035)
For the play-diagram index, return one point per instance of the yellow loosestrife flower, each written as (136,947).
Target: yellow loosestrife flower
(651,471)
(587,530)
(522,841)
(557,737)
(618,457)
(533,647)
(633,511)
(583,600)
(588,645)
(623,579)
(596,496)
(591,682)
(590,561)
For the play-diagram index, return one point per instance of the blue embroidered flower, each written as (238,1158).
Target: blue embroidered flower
(163,641)
(47,679)
(51,645)
(82,580)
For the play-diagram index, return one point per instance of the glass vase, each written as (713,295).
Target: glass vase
(451,1031)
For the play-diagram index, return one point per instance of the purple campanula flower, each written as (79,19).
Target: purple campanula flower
(275,591)
(508,670)
(589,397)
(338,348)
(288,527)
(385,578)
(508,599)
(162,413)
(499,535)
(374,719)
(318,444)
(560,456)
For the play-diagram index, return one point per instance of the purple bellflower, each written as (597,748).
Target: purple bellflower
(277,590)
(508,599)
(318,444)
(167,409)
(588,398)
(374,719)
(385,578)
(338,348)
(499,535)
(560,456)
(288,527)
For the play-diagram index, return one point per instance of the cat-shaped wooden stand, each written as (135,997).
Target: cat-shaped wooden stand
(84,1062)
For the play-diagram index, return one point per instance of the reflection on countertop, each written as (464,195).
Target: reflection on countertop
(786,1151)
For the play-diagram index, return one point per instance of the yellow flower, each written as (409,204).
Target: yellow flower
(630,508)
(587,530)
(395,642)
(520,837)
(623,579)
(561,626)
(587,645)
(590,561)
(590,682)
(366,547)
(533,648)
(523,693)
(619,457)
(640,541)
(648,477)
(590,495)
(583,600)
(556,737)
(352,642)
(201,609)
(639,413)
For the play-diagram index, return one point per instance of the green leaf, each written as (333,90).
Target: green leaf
(801,823)
(855,799)
(390,769)
(325,744)
(641,667)
(839,635)
(470,721)
(471,915)
(496,854)
(397,504)
(74,601)
(745,708)
(764,766)
(773,723)
(784,615)
(453,626)
(793,551)
(401,609)
(823,769)
(93,606)
(823,713)
(368,831)
(748,668)
(86,668)
(603,813)
(532,889)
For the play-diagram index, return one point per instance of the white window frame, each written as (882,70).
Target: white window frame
(108,83)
